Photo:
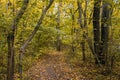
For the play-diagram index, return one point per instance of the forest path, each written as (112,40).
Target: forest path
(53,67)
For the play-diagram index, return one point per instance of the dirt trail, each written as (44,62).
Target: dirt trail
(53,67)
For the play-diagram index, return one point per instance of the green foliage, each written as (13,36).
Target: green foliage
(46,37)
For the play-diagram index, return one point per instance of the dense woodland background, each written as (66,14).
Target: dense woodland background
(85,32)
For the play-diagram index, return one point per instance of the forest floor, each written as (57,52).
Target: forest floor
(53,66)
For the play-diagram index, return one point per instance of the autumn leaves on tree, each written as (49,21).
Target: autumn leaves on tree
(77,27)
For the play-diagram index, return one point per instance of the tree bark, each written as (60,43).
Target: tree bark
(10,41)
(58,27)
(96,28)
(83,25)
(106,17)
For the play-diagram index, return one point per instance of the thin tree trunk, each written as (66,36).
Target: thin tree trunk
(58,27)
(10,41)
(83,25)
(72,30)
(80,14)
(72,33)
(84,30)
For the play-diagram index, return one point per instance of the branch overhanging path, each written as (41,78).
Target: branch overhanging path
(22,49)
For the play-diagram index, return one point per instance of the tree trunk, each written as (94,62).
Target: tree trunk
(10,41)
(96,28)
(58,27)
(72,30)
(83,25)
(10,68)
(106,16)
